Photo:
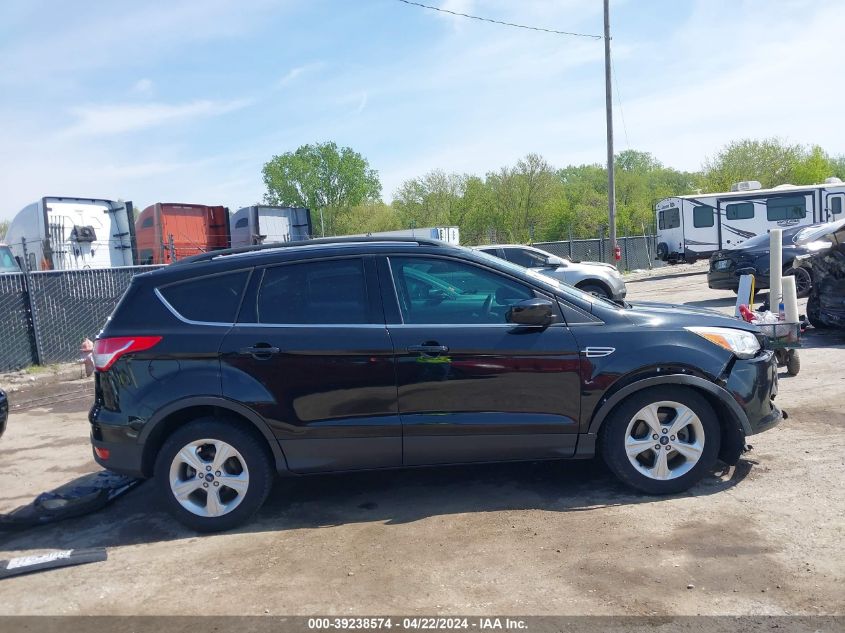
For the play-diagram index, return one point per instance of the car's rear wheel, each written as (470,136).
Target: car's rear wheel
(661,440)
(213,474)
(595,289)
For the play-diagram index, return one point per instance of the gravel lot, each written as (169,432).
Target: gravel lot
(763,538)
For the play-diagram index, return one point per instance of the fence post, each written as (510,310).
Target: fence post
(570,242)
(646,239)
(601,245)
(34,338)
(627,245)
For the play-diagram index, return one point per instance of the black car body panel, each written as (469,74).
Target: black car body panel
(4,411)
(826,304)
(381,392)
(725,265)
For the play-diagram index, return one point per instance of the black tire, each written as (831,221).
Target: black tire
(250,447)
(594,289)
(813,313)
(803,281)
(613,438)
(793,363)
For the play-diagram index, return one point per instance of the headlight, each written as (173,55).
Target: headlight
(743,344)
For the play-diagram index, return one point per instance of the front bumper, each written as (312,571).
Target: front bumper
(753,383)
(618,290)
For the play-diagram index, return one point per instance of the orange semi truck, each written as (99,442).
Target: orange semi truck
(169,231)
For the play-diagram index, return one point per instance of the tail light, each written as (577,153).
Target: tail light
(108,350)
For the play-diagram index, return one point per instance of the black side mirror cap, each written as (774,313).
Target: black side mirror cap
(536,312)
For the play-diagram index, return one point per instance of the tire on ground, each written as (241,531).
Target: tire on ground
(254,452)
(612,439)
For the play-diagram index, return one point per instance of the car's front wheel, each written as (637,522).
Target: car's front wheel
(213,474)
(661,440)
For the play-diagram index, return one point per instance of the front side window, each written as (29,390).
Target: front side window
(434,290)
(525,257)
(242,223)
(739,211)
(329,292)
(147,223)
(212,299)
(7,262)
(702,217)
(791,208)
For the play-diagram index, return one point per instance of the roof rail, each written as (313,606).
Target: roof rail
(207,257)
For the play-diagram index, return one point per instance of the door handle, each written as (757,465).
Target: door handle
(260,351)
(431,349)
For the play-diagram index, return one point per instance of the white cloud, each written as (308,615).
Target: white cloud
(104,119)
(143,87)
(298,71)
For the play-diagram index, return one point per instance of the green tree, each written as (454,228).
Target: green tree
(4,226)
(770,161)
(324,178)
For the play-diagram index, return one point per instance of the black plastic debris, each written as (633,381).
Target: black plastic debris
(51,560)
(81,496)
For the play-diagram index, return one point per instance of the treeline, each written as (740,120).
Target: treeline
(535,201)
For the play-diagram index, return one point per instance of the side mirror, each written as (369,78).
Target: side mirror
(554,260)
(536,312)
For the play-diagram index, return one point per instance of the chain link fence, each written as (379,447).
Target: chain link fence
(636,252)
(44,316)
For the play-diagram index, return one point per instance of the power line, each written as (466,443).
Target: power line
(518,26)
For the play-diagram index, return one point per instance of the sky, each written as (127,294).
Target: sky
(185,100)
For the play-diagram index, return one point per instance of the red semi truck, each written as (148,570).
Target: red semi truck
(168,231)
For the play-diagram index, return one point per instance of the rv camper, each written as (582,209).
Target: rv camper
(269,225)
(167,231)
(59,233)
(696,226)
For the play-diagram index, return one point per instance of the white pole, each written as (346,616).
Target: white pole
(790,299)
(775,264)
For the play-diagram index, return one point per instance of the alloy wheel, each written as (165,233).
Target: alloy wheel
(664,440)
(209,477)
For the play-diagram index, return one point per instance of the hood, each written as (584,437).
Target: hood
(670,315)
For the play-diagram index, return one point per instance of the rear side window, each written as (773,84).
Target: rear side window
(791,208)
(740,211)
(525,257)
(325,292)
(671,218)
(836,206)
(213,299)
(702,217)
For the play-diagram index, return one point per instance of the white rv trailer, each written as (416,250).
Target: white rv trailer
(449,234)
(62,233)
(695,226)
(261,224)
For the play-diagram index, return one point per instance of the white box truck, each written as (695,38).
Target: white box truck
(63,233)
(261,224)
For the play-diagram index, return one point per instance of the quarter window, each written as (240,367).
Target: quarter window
(739,211)
(791,208)
(433,290)
(213,299)
(702,217)
(324,292)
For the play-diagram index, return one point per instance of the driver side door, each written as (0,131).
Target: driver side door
(471,386)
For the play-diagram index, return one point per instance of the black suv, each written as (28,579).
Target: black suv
(336,355)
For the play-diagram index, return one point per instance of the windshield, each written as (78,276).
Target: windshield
(7,261)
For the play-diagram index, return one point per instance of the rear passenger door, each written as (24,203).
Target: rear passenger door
(311,354)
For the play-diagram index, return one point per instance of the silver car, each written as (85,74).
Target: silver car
(593,277)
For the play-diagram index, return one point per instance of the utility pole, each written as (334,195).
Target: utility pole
(611,183)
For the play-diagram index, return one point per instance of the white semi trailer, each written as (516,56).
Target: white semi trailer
(450,234)
(64,233)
